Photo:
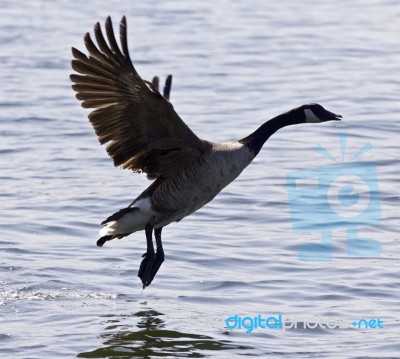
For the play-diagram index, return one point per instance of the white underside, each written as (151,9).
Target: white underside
(130,222)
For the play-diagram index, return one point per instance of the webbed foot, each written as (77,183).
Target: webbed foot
(152,261)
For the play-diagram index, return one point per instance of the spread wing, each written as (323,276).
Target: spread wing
(141,127)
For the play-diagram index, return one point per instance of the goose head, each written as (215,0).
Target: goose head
(315,113)
(309,113)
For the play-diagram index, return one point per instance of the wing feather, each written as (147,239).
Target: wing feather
(142,130)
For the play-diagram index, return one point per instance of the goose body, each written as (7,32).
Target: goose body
(145,134)
(173,198)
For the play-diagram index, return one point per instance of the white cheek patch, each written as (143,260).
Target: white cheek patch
(310,116)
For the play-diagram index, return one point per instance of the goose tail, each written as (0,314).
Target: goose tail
(103,240)
(121,224)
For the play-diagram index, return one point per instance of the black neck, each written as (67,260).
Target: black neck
(257,139)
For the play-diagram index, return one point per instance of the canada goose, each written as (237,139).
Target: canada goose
(145,134)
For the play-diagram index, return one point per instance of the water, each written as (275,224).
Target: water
(235,64)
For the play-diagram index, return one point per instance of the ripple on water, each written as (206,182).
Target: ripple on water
(61,296)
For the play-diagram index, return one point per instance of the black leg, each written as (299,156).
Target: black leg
(149,258)
(151,262)
(159,254)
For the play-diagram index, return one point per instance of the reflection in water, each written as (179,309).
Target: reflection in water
(152,340)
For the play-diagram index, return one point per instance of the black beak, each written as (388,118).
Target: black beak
(335,117)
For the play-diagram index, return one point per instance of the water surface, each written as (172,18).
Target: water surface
(235,64)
